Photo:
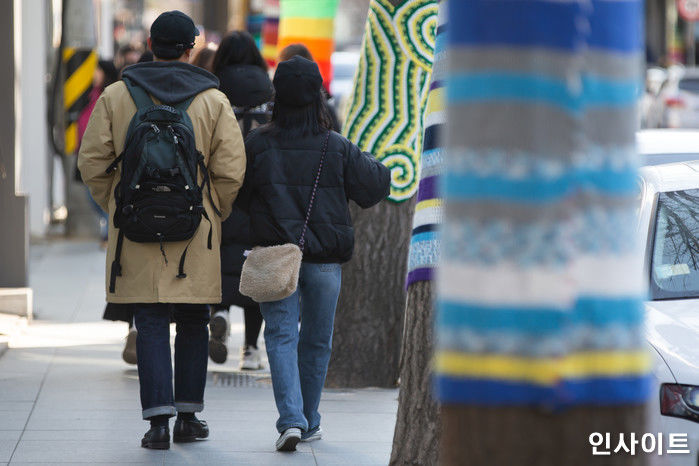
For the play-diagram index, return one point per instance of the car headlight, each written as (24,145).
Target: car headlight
(680,401)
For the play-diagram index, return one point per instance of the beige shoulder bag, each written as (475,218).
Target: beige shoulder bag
(272,273)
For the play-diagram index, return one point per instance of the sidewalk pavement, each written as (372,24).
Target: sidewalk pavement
(67,397)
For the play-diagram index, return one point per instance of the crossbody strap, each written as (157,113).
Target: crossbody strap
(302,240)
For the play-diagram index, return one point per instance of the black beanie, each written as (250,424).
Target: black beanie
(297,82)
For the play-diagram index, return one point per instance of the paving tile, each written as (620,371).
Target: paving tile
(16,405)
(78,415)
(358,427)
(13,420)
(88,410)
(354,453)
(91,463)
(134,424)
(65,451)
(177,457)
(8,441)
(354,406)
(107,433)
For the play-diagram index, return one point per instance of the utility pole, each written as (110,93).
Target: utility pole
(216,14)
(14,222)
(79,60)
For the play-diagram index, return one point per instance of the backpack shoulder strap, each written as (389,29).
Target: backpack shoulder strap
(184,105)
(139,95)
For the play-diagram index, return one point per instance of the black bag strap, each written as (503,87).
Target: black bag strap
(184,105)
(113,166)
(302,240)
(139,95)
(207,182)
(116,264)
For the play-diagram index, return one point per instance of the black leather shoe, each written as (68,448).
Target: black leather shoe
(157,438)
(190,431)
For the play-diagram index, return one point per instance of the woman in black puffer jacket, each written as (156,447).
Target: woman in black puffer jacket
(284,159)
(242,73)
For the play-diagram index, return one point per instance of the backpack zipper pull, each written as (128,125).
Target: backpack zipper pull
(174,136)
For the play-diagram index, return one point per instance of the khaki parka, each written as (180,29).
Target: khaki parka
(146,276)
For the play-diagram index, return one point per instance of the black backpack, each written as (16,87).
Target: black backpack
(158,198)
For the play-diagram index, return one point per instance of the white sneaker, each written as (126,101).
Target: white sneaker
(250,359)
(289,439)
(316,434)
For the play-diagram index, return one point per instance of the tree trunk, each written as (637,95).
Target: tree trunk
(490,436)
(369,318)
(416,438)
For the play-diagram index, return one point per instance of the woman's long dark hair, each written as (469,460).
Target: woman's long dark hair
(295,122)
(238,48)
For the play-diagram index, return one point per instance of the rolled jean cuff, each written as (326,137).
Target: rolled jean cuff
(188,407)
(293,424)
(167,410)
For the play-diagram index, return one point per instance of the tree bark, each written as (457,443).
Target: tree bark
(418,428)
(493,436)
(369,318)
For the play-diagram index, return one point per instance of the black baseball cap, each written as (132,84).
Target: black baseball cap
(297,82)
(172,33)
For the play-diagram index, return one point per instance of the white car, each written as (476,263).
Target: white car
(669,227)
(342,85)
(680,98)
(658,146)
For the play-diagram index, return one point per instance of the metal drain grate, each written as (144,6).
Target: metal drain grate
(240,379)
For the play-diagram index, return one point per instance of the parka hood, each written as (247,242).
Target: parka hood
(246,85)
(170,82)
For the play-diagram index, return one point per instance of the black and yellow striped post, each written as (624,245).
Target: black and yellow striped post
(79,65)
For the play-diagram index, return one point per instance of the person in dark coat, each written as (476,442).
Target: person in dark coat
(242,73)
(283,162)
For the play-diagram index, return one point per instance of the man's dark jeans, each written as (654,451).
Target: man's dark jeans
(155,364)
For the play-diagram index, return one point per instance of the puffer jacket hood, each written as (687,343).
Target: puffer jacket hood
(245,85)
(170,82)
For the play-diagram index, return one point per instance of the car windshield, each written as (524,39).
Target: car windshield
(659,159)
(344,71)
(675,260)
(690,85)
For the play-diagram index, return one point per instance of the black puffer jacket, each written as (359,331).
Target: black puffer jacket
(246,87)
(278,185)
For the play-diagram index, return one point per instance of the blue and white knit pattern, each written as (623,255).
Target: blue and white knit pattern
(539,283)
(424,244)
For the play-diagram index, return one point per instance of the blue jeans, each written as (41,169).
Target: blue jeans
(155,363)
(299,360)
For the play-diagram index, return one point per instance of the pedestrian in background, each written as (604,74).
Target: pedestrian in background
(204,57)
(242,73)
(105,74)
(283,162)
(141,273)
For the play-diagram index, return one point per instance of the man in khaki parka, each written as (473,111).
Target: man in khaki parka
(147,279)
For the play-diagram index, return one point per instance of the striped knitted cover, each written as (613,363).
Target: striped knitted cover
(539,285)
(390,88)
(424,245)
(311,23)
(270,29)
